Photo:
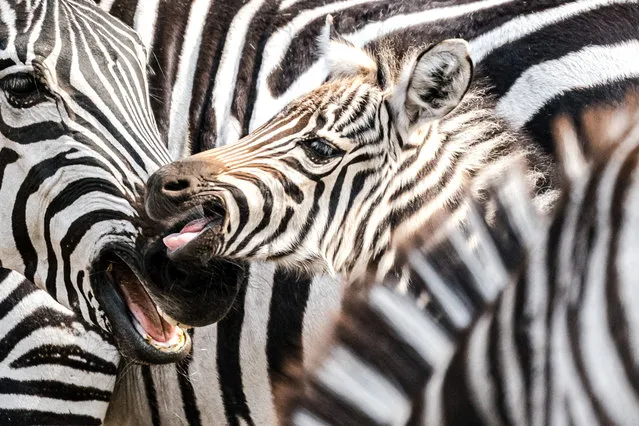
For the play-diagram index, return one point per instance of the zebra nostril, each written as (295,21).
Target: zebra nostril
(176,186)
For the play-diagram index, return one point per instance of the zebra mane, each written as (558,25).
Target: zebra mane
(590,142)
(342,57)
(387,343)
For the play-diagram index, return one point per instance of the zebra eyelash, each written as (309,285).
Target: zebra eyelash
(319,150)
(23,90)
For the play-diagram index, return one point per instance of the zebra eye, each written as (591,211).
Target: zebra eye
(23,90)
(319,150)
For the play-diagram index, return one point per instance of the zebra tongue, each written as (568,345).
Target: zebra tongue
(190,231)
(146,314)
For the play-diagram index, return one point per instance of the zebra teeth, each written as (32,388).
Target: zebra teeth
(174,345)
(168,318)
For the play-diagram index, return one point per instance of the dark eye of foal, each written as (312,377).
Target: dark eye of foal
(319,150)
(23,90)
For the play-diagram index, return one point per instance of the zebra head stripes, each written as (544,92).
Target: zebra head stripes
(77,141)
(555,343)
(386,143)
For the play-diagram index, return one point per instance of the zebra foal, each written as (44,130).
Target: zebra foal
(536,326)
(389,141)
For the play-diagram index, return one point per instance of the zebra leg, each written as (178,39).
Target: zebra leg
(54,368)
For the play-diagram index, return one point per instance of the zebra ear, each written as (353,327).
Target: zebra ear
(437,81)
(342,57)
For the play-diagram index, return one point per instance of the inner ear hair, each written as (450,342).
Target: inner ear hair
(342,57)
(438,81)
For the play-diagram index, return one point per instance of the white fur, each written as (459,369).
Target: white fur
(342,58)
(285,4)
(627,264)
(364,387)
(182,90)
(526,24)
(585,68)
(106,4)
(253,360)
(144,21)
(278,44)
(426,338)
(229,65)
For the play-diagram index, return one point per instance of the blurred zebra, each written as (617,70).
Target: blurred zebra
(536,326)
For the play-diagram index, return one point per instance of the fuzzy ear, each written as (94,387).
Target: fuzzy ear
(342,57)
(436,83)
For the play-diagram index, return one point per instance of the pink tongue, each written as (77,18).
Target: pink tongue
(145,313)
(163,332)
(186,235)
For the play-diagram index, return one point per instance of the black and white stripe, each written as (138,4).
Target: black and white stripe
(386,144)
(230,44)
(553,341)
(54,367)
(77,141)
(233,65)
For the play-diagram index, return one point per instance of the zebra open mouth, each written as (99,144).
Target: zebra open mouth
(143,331)
(150,321)
(192,230)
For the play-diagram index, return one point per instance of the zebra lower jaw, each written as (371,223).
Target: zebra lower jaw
(149,320)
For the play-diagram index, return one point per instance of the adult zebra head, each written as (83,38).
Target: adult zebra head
(388,141)
(77,142)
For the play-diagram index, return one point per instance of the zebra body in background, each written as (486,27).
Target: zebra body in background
(232,65)
(537,327)
(241,28)
(210,60)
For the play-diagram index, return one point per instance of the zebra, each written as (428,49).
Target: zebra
(388,142)
(536,326)
(219,71)
(77,141)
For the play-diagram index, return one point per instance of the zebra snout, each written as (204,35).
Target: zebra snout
(172,186)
